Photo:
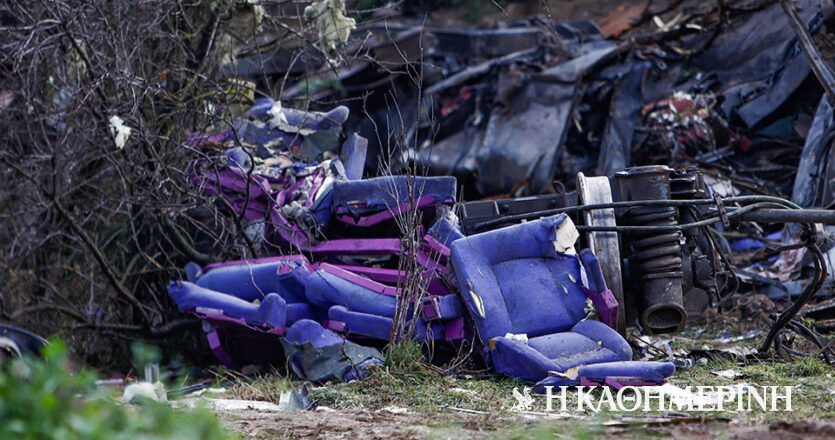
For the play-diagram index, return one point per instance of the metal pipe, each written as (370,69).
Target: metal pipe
(824,216)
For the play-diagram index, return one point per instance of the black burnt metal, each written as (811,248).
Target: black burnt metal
(699,285)
(654,258)
(824,216)
(485,215)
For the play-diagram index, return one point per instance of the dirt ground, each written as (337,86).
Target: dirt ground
(383,424)
(411,404)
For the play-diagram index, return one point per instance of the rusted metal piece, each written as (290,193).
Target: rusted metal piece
(622,18)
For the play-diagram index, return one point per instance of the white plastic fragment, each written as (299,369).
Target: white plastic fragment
(119,130)
(330,21)
(727,374)
(279,120)
(477,301)
(565,236)
(523,337)
(239,405)
(459,390)
(151,391)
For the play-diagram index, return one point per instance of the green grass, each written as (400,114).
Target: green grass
(266,387)
(813,398)
(41,399)
(406,381)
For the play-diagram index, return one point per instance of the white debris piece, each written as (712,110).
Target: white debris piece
(523,337)
(566,236)
(330,20)
(119,130)
(229,404)
(147,390)
(727,374)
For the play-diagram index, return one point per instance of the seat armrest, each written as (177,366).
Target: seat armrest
(606,337)
(604,301)
(606,305)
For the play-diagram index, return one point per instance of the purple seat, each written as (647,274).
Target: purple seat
(266,122)
(269,313)
(252,279)
(446,229)
(222,295)
(238,330)
(353,153)
(365,307)
(247,194)
(430,255)
(369,202)
(300,216)
(524,289)
(614,374)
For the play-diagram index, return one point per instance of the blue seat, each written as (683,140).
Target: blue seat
(253,279)
(371,201)
(366,307)
(524,289)
(446,229)
(272,311)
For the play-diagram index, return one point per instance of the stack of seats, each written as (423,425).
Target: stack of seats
(520,292)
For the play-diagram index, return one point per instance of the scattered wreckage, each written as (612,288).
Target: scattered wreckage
(506,277)
(660,244)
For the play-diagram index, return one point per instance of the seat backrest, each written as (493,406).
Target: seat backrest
(252,279)
(521,279)
(386,193)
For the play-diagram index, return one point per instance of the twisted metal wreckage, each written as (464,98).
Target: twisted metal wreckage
(660,245)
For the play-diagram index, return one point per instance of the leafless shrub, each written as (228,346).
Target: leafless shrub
(96,219)
(98,210)
(398,144)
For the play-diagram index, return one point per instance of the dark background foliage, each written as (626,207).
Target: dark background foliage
(90,233)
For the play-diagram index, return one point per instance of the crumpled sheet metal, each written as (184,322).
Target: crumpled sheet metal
(517,91)
(808,186)
(534,119)
(318,354)
(758,66)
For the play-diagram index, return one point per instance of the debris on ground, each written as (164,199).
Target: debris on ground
(644,201)
(725,109)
